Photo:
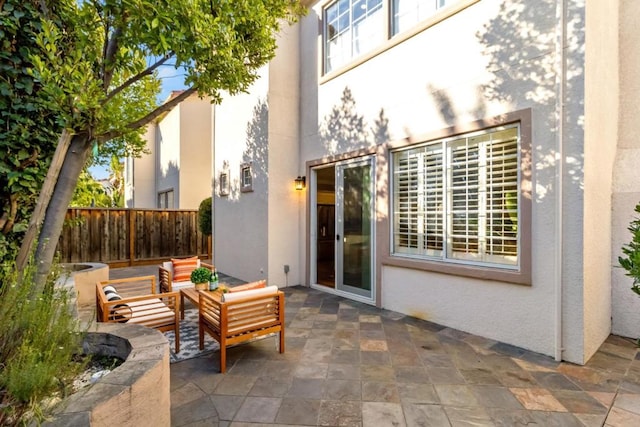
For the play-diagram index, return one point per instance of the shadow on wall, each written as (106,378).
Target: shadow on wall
(168,180)
(520,43)
(344,130)
(255,154)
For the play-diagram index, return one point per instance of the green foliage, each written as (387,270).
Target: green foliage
(97,65)
(38,343)
(117,182)
(631,260)
(204,216)
(201,275)
(90,193)
(29,125)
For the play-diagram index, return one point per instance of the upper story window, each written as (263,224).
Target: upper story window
(407,13)
(352,27)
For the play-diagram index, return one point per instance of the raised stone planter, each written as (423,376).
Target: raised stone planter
(83,278)
(135,393)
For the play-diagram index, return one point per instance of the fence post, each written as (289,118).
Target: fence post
(132,236)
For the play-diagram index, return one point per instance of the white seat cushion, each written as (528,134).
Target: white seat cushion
(152,311)
(269,290)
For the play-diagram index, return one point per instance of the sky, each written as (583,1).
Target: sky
(171,79)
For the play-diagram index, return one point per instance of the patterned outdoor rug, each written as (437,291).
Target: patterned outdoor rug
(189,346)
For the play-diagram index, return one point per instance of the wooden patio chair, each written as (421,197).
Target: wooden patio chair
(173,280)
(240,317)
(135,300)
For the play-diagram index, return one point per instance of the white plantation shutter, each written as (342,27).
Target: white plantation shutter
(471,184)
(418,205)
(502,196)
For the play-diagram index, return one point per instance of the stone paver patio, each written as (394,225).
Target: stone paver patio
(351,364)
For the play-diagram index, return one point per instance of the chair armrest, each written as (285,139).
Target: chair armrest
(210,311)
(165,277)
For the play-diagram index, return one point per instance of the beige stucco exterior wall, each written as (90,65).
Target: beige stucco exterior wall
(601,122)
(168,153)
(179,158)
(195,152)
(240,229)
(285,210)
(140,175)
(492,58)
(626,186)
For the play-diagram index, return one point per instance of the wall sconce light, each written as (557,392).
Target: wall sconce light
(300,182)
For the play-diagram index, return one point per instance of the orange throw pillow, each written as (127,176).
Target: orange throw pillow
(253,285)
(182,268)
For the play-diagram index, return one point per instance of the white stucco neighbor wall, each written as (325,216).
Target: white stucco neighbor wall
(490,59)
(240,219)
(195,152)
(626,185)
(168,153)
(284,219)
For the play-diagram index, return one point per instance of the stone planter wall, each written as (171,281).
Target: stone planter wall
(135,393)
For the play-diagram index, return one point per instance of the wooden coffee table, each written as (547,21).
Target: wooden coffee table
(192,294)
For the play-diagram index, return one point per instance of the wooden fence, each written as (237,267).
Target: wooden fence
(126,237)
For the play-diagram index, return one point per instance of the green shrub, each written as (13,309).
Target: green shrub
(201,275)
(39,347)
(631,262)
(204,216)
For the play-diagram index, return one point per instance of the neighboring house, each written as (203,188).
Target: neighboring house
(468,162)
(176,172)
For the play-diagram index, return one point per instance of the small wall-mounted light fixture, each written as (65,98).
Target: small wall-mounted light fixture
(300,182)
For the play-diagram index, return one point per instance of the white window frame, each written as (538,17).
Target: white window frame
(246,177)
(379,31)
(224,183)
(357,37)
(406,14)
(483,256)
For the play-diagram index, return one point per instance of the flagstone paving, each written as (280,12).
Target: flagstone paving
(351,364)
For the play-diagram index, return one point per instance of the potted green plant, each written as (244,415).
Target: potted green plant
(200,277)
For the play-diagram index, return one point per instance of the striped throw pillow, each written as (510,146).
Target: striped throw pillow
(182,268)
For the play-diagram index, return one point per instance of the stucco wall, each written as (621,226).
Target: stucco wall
(490,59)
(195,152)
(285,213)
(601,122)
(168,154)
(626,186)
(140,185)
(240,219)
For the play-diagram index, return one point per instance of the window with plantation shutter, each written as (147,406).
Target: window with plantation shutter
(457,199)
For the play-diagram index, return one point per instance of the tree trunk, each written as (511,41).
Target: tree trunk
(74,161)
(43,200)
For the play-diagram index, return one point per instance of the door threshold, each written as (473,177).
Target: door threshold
(343,294)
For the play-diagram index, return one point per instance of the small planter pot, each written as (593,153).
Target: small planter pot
(202,286)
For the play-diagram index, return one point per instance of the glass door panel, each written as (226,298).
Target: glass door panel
(354,208)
